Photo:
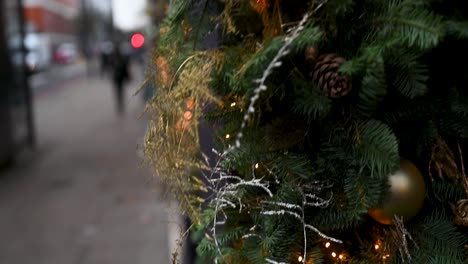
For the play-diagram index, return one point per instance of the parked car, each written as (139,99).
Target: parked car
(66,53)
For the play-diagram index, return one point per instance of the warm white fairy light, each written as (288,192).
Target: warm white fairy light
(233,104)
(228,136)
(377,244)
(299,259)
(327,245)
(256,165)
(333,254)
(341,256)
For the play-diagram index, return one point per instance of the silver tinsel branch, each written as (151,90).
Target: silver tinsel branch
(225,186)
(274,63)
(298,212)
(401,235)
(270,261)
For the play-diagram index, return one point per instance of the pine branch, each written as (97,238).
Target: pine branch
(414,25)
(310,36)
(378,148)
(438,240)
(409,76)
(275,63)
(311,103)
(363,192)
(458,29)
(373,89)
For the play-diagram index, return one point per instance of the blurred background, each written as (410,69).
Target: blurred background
(72,186)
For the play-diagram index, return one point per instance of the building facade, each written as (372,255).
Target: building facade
(52,22)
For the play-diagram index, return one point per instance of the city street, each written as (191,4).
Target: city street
(56,74)
(82,196)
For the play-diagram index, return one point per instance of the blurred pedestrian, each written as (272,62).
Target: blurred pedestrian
(106,51)
(120,76)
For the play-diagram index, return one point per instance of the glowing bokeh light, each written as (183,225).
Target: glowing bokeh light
(137,40)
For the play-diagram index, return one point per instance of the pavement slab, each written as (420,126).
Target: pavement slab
(82,196)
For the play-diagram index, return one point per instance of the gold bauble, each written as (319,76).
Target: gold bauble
(406,196)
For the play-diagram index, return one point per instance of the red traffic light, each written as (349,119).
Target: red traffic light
(137,40)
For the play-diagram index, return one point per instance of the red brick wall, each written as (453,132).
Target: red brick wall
(47,21)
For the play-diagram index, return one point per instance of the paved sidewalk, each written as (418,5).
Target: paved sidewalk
(81,196)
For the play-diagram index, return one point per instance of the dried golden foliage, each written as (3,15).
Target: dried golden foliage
(260,5)
(443,163)
(227,17)
(271,20)
(164,73)
(269,14)
(172,141)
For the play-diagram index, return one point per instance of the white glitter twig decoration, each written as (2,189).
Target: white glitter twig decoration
(227,186)
(290,209)
(223,188)
(275,63)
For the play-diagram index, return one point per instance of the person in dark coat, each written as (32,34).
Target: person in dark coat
(120,76)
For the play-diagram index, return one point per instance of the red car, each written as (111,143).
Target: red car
(65,53)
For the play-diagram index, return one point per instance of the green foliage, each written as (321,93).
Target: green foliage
(295,136)
(363,192)
(176,13)
(243,159)
(377,148)
(207,249)
(373,89)
(254,66)
(252,253)
(418,27)
(172,23)
(453,119)
(310,36)
(459,106)
(290,166)
(339,7)
(438,241)
(458,29)
(281,235)
(412,24)
(447,192)
(311,103)
(409,75)
(342,218)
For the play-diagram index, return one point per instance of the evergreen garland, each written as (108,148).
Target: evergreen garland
(288,173)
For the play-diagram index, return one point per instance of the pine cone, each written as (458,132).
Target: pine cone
(326,76)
